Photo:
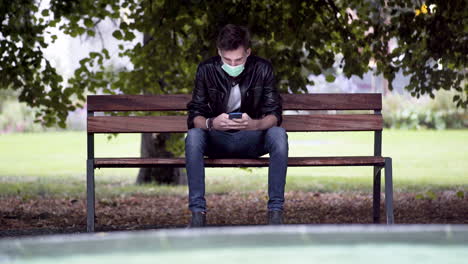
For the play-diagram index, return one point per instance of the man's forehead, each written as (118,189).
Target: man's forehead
(233,54)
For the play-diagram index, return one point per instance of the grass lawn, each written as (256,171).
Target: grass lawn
(54,164)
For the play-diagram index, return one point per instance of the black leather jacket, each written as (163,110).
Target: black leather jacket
(259,96)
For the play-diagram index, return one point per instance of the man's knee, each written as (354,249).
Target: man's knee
(277,138)
(277,134)
(196,137)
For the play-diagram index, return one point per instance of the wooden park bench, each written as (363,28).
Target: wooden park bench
(370,121)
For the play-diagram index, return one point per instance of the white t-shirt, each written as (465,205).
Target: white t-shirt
(234,102)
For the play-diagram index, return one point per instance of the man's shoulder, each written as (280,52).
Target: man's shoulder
(259,62)
(210,62)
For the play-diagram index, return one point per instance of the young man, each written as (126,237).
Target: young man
(235,81)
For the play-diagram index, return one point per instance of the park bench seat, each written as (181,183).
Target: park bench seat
(260,162)
(157,122)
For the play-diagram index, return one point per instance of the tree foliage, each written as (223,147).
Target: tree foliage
(299,37)
(432,45)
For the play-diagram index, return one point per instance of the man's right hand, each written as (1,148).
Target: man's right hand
(223,123)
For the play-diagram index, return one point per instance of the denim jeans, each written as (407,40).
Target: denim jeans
(240,144)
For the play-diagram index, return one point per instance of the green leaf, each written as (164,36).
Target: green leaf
(117,34)
(80,30)
(45,12)
(88,23)
(106,53)
(94,54)
(129,36)
(431,195)
(461,194)
(419,196)
(330,78)
(53,23)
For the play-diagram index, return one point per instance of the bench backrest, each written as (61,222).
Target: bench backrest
(178,102)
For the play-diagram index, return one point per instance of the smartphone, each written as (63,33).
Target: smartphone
(235,115)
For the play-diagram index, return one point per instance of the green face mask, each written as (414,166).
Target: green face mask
(233,71)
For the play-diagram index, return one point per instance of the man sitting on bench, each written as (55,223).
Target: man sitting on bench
(235,112)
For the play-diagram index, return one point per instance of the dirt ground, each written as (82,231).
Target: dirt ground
(26,217)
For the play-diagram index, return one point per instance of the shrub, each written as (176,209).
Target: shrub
(405,112)
(18,117)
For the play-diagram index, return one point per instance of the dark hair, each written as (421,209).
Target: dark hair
(231,37)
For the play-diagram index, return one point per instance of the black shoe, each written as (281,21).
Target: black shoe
(275,217)
(198,219)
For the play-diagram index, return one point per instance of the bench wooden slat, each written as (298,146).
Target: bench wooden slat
(178,102)
(356,101)
(292,123)
(172,102)
(137,124)
(356,122)
(260,162)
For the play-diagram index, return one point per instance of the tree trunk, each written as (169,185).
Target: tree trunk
(154,145)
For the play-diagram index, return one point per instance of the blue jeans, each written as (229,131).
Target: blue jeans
(240,144)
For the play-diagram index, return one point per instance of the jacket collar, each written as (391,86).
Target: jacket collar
(241,80)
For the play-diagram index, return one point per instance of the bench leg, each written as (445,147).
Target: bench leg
(90,195)
(389,190)
(376,195)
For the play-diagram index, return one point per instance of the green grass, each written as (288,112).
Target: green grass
(54,164)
